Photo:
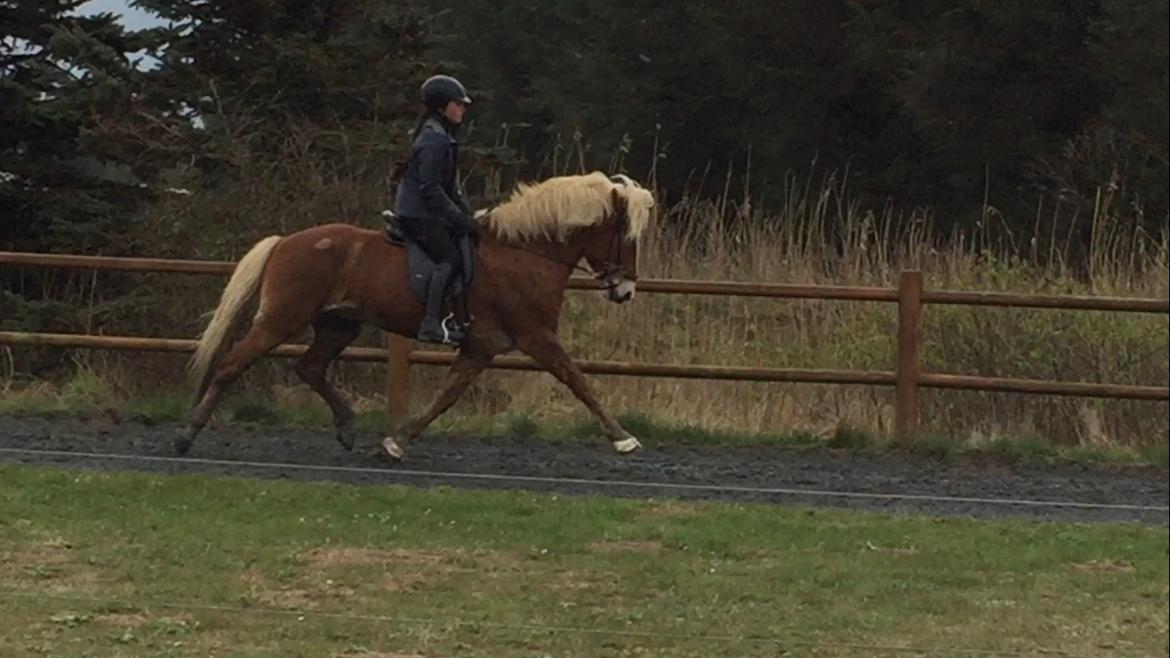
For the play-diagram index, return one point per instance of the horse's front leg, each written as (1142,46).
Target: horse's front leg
(468,365)
(546,349)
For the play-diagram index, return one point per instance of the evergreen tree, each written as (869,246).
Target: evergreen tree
(1126,148)
(704,84)
(986,87)
(240,80)
(64,183)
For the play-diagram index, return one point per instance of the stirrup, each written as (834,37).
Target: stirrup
(450,325)
(443,338)
(450,332)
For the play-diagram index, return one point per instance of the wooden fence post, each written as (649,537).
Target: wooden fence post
(909,366)
(398,377)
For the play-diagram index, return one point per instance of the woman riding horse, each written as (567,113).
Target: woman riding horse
(430,208)
(333,277)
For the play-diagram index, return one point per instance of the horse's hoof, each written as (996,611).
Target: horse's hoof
(626,446)
(391,447)
(183,441)
(347,438)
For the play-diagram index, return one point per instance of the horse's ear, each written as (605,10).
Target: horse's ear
(622,179)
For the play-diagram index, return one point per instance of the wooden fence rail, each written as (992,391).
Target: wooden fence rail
(906,378)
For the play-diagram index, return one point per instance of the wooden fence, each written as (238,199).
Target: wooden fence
(907,377)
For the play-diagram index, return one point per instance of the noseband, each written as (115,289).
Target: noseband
(613,261)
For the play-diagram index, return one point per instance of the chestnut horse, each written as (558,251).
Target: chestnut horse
(336,277)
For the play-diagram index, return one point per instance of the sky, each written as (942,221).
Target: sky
(132,18)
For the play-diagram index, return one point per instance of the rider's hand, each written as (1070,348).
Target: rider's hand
(469,227)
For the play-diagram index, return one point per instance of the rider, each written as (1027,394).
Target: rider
(429,205)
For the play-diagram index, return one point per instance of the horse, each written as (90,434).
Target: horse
(338,277)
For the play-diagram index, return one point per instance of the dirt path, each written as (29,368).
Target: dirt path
(687,472)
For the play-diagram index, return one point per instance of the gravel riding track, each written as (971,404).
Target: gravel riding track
(888,483)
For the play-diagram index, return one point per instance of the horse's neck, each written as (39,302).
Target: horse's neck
(564,255)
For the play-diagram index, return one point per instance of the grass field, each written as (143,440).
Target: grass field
(140,565)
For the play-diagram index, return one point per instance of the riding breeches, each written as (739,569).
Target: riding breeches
(433,237)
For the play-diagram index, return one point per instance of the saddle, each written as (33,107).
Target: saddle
(420,265)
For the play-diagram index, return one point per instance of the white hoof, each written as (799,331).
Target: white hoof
(626,446)
(392,449)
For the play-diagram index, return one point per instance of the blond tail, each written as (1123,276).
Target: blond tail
(240,289)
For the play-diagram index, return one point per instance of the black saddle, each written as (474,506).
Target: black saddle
(420,265)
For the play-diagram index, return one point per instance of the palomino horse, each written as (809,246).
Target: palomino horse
(336,277)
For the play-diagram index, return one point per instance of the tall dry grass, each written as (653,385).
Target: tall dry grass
(821,236)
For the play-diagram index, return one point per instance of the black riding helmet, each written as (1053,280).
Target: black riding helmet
(438,90)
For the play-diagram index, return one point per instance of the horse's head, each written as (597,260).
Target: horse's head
(592,216)
(612,250)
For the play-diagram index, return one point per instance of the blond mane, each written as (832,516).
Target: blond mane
(555,207)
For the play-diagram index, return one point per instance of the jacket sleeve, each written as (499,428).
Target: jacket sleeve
(432,163)
(461,202)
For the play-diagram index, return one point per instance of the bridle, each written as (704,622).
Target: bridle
(613,260)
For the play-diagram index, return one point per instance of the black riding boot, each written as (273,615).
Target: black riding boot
(433,329)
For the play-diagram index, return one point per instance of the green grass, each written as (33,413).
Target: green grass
(143,565)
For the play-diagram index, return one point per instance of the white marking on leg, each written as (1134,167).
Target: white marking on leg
(626,446)
(626,289)
(392,448)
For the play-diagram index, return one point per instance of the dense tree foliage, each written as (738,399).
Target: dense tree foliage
(252,76)
(104,133)
(929,103)
(63,182)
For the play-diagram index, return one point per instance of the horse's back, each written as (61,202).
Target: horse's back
(339,230)
(336,238)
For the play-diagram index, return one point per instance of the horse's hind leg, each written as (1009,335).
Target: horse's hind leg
(264,335)
(331,335)
(546,349)
(468,365)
